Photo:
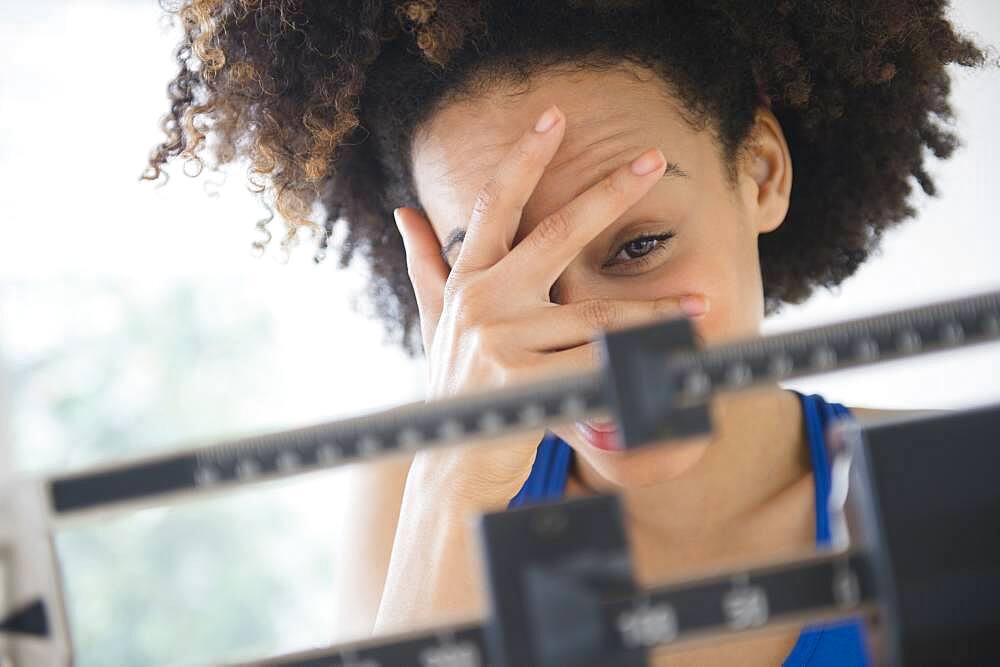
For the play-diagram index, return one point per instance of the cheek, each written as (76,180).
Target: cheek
(710,270)
(720,261)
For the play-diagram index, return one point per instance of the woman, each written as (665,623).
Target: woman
(564,167)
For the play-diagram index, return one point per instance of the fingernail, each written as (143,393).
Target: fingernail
(647,163)
(547,120)
(396,217)
(694,305)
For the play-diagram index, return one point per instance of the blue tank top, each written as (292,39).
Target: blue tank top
(839,644)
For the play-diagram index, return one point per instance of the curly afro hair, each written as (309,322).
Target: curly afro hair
(322,98)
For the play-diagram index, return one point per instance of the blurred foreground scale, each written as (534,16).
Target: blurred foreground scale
(920,502)
(654,383)
(920,558)
(30,620)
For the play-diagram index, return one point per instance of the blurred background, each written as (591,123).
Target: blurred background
(135,318)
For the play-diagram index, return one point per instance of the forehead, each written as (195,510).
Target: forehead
(611,116)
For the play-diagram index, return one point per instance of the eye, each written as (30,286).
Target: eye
(637,251)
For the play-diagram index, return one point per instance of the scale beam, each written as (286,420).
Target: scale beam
(654,391)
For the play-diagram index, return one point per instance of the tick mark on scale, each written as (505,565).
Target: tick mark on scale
(247,468)
(490,422)
(327,453)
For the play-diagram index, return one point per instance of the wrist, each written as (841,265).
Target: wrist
(435,537)
(453,486)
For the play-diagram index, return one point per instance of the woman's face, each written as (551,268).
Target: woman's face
(611,117)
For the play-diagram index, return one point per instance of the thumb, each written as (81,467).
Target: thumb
(427,270)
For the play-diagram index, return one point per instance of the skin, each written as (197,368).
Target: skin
(610,119)
(545,221)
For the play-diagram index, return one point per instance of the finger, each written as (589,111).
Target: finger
(427,269)
(559,327)
(499,205)
(541,257)
(589,356)
(549,365)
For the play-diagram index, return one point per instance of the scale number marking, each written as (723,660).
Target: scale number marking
(648,625)
(745,607)
(461,654)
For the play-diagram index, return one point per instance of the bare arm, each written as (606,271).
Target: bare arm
(367,518)
(877,414)
(434,575)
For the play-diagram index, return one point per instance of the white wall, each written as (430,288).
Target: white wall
(951,249)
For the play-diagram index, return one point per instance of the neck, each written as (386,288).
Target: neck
(755,452)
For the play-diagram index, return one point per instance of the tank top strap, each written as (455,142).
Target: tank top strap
(818,415)
(843,643)
(547,479)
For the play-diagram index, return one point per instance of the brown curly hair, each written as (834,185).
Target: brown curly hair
(323,97)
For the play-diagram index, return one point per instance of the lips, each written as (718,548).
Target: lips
(603,427)
(601,435)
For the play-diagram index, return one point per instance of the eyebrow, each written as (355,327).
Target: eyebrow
(457,235)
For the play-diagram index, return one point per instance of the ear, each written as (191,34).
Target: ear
(765,175)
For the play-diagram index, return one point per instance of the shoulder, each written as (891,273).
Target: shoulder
(878,414)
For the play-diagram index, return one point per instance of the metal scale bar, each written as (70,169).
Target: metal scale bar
(408,428)
(917,496)
(698,374)
(455,646)
(857,342)
(823,587)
